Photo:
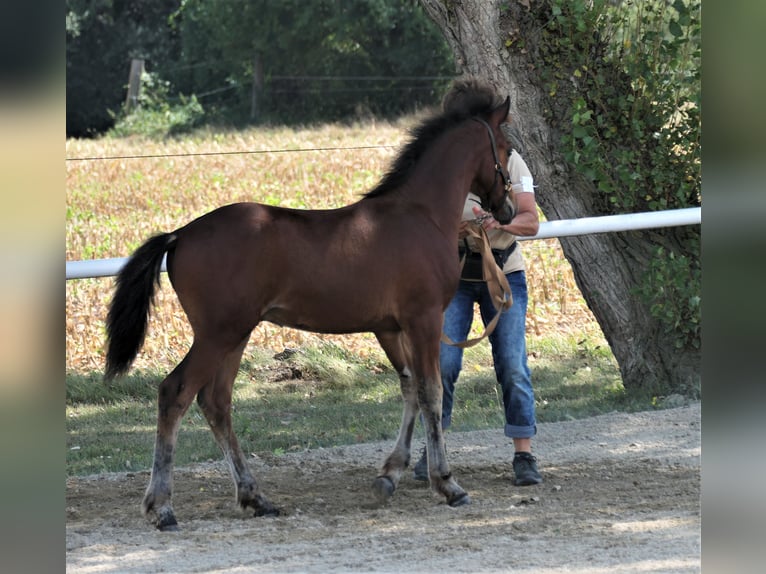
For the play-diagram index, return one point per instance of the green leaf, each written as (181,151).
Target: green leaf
(579,132)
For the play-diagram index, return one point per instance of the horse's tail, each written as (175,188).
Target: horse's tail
(128,313)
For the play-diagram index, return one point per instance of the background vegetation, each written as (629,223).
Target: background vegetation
(317,61)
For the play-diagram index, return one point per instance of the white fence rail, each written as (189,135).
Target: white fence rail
(561,228)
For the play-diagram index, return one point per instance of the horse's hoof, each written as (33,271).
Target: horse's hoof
(461,499)
(267,512)
(260,505)
(384,488)
(165,521)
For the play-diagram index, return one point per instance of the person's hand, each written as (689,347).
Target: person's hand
(462,231)
(487,221)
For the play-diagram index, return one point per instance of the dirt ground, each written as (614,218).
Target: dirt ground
(620,494)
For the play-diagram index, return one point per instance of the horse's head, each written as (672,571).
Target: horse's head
(493,184)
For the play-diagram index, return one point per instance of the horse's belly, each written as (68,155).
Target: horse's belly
(325,318)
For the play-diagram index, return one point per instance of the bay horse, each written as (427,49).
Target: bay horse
(386,264)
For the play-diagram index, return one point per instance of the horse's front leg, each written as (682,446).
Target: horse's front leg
(421,390)
(429,392)
(393,467)
(425,341)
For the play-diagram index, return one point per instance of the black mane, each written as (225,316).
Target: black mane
(469,99)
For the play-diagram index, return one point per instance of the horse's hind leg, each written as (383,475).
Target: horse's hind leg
(393,467)
(215,401)
(176,393)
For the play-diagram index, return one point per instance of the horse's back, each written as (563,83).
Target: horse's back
(357,268)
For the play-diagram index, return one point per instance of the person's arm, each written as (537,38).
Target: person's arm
(526,221)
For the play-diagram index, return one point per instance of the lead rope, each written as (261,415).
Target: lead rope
(497,283)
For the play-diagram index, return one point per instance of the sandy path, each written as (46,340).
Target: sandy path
(621,494)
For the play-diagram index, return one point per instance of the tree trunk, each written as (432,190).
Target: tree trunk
(608,266)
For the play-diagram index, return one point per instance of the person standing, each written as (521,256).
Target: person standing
(508,340)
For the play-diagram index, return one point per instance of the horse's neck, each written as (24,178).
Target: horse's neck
(442,181)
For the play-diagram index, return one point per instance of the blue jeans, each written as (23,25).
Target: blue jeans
(509,352)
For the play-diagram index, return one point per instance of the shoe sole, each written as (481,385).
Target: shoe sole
(527,482)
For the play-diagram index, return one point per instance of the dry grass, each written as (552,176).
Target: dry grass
(114,205)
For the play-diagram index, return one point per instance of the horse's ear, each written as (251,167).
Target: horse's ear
(500,113)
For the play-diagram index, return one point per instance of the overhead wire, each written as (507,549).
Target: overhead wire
(234,152)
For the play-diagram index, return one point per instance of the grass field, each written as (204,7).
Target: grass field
(336,388)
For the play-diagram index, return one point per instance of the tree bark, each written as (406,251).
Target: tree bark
(607,267)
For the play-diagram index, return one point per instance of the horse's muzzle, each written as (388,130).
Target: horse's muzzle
(504,214)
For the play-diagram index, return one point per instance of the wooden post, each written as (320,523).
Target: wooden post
(134,83)
(257,85)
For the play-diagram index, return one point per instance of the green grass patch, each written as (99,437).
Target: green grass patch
(326,396)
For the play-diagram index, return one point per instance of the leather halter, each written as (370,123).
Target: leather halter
(499,169)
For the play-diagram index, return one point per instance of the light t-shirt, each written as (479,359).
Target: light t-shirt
(521,182)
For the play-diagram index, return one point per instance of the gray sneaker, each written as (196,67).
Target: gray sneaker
(420,470)
(525,469)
